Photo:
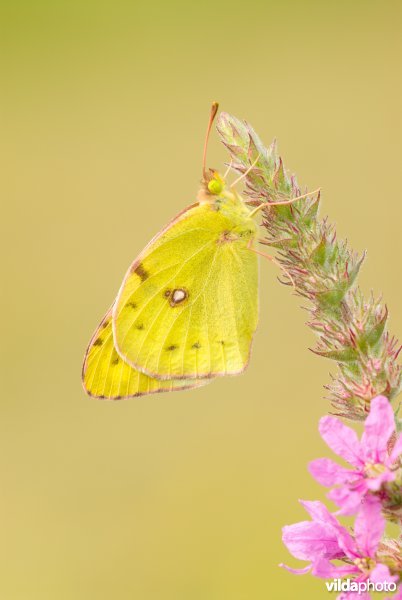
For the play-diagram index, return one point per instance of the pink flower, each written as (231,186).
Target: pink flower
(323,539)
(372,463)
(313,540)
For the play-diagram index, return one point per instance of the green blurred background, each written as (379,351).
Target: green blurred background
(104,107)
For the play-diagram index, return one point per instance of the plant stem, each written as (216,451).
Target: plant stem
(351,329)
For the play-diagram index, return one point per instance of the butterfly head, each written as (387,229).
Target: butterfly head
(213,186)
(214,190)
(224,199)
(216,184)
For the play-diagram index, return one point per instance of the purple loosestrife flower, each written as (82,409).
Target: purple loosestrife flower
(315,540)
(372,462)
(324,539)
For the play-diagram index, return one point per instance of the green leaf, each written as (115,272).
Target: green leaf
(331,299)
(355,271)
(345,355)
(371,338)
(320,253)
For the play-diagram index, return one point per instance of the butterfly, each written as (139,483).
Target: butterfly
(187,309)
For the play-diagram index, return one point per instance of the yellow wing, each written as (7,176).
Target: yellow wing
(106,375)
(188,306)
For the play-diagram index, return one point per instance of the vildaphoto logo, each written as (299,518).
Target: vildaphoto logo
(361,587)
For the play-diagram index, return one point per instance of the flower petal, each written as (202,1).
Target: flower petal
(348,500)
(369,526)
(321,514)
(381,574)
(328,473)
(378,428)
(375,483)
(326,570)
(296,571)
(311,540)
(342,440)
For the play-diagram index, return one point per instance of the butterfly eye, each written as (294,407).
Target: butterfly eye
(215,186)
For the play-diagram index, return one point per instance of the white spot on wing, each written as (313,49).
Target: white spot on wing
(178,296)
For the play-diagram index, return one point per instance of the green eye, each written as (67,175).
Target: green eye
(215,186)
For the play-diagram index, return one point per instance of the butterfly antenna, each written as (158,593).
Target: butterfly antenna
(212,115)
(251,167)
(284,203)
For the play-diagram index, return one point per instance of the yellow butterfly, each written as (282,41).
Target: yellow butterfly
(188,306)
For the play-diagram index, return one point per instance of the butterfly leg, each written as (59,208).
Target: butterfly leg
(284,202)
(274,261)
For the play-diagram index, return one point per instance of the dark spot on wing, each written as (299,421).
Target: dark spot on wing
(196,345)
(139,326)
(167,293)
(118,397)
(98,342)
(222,342)
(141,272)
(105,324)
(172,347)
(115,358)
(131,304)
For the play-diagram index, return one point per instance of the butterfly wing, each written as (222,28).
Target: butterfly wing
(188,306)
(106,375)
